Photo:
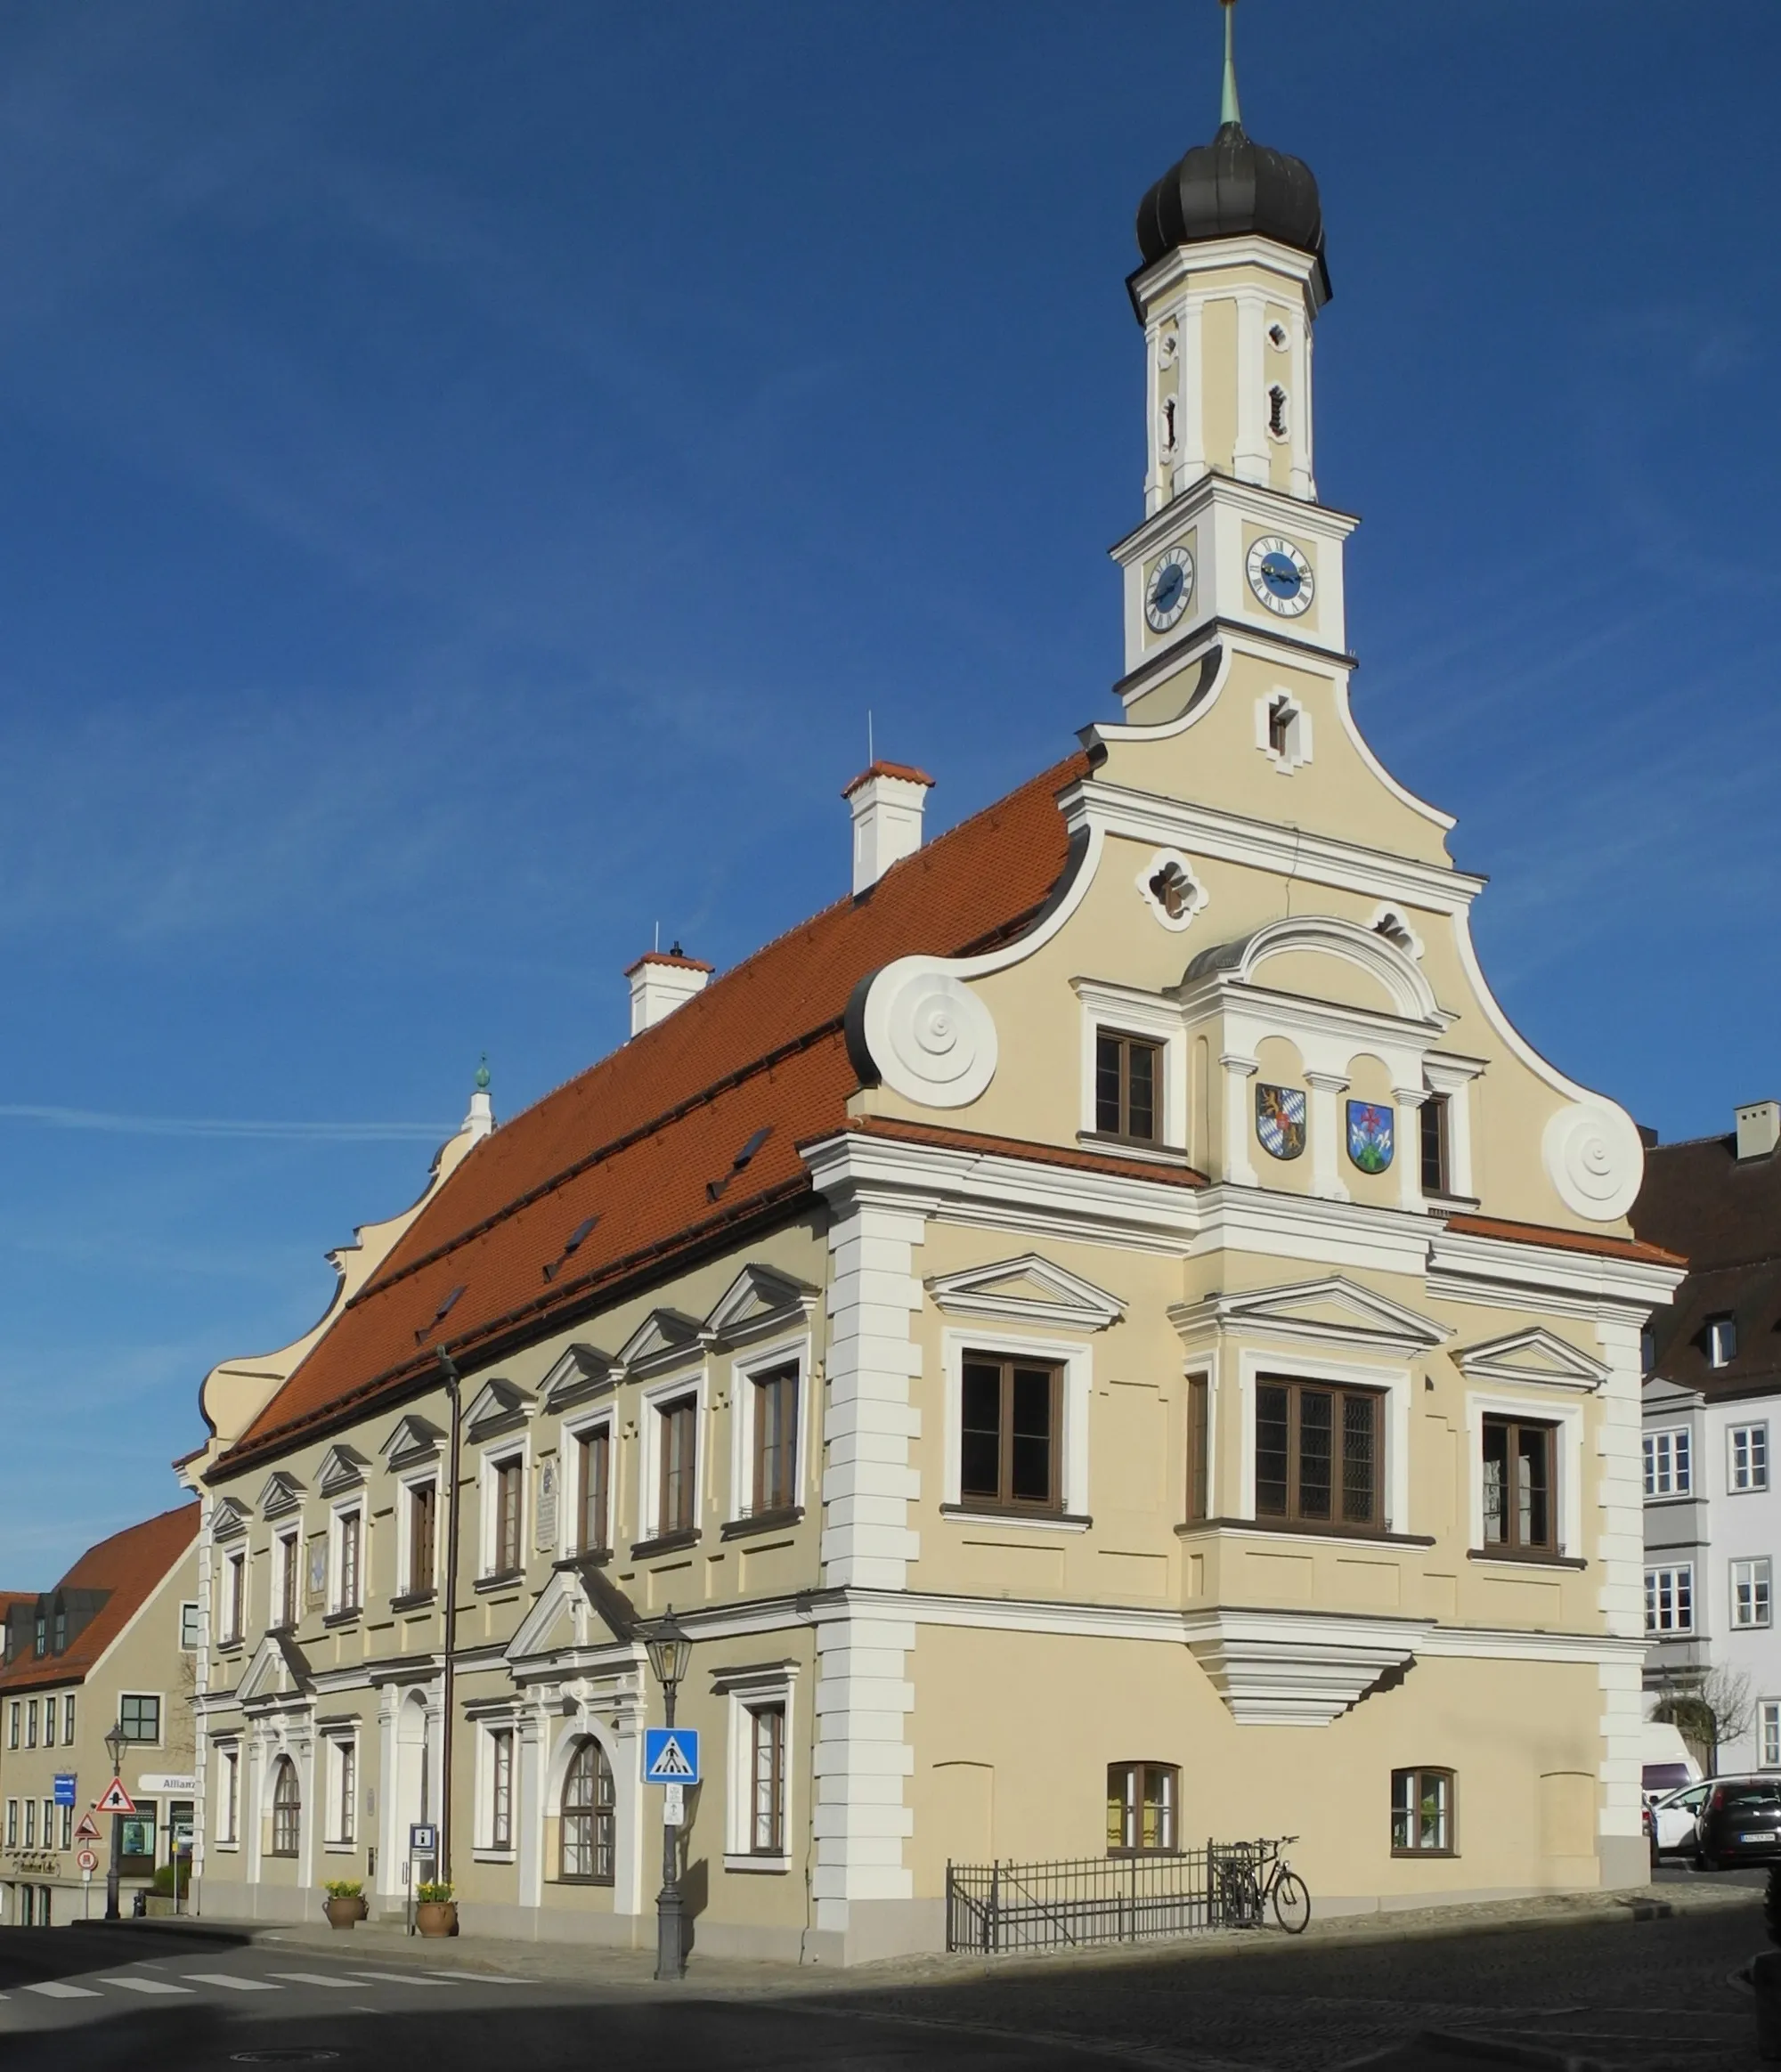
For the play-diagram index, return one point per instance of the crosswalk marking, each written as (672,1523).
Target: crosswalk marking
(57,1989)
(146,1985)
(486,1978)
(232,1981)
(315,1979)
(404,1978)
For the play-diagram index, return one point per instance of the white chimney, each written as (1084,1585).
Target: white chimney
(1759,1128)
(660,980)
(887,801)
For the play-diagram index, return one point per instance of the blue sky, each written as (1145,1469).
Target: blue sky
(466,471)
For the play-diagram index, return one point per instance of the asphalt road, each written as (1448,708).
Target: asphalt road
(1636,1995)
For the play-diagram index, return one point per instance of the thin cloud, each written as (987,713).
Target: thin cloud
(169,1126)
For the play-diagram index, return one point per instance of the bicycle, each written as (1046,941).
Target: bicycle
(1255,1875)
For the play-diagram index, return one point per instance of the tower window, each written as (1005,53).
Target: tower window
(1126,1075)
(1280,717)
(1277,337)
(1434,1121)
(1276,412)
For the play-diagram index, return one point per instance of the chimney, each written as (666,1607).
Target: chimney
(887,801)
(660,980)
(1759,1128)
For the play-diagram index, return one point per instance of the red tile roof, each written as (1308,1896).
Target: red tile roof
(1598,1241)
(132,1566)
(649,1140)
(907,772)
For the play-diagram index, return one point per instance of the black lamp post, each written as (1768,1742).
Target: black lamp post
(116,1743)
(670,1652)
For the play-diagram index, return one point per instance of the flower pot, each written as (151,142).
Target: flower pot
(345,1913)
(437,1916)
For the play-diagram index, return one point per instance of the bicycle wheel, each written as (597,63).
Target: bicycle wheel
(1292,1903)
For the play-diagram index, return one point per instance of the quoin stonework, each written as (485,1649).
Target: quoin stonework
(1105,1335)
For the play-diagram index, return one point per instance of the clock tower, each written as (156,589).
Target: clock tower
(1231,279)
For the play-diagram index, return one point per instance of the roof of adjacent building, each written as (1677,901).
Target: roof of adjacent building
(125,1570)
(1724,1215)
(677,1143)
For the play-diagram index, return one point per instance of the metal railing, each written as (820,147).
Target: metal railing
(1073,1905)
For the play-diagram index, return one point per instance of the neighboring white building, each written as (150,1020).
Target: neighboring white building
(1713,1421)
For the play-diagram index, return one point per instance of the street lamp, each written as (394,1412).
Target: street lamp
(670,1655)
(116,1741)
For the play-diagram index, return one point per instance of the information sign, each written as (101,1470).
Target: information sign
(64,1787)
(674,1805)
(423,1840)
(671,1755)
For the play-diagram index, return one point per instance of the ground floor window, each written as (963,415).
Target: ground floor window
(1422,1813)
(766,1826)
(587,1816)
(287,1808)
(1769,1734)
(500,1788)
(1141,1807)
(137,1831)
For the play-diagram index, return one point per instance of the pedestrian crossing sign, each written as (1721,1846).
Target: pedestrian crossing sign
(671,1755)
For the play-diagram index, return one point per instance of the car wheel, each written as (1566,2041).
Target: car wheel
(1703,1862)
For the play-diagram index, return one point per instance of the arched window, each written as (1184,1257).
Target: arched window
(287,1807)
(587,1799)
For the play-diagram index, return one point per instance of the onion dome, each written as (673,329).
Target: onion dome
(1233,188)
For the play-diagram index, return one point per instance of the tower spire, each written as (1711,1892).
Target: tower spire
(1229,110)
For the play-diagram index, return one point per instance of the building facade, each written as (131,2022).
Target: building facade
(114,1644)
(1105,1335)
(1712,1396)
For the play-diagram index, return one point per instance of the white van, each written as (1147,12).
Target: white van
(1666,1764)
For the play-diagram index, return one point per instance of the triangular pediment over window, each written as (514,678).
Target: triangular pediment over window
(1536,1355)
(343,1468)
(498,1406)
(1029,1290)
(582,1372)
(282,1492)
(228,1518)
(580,1607)
(414,1438)
(758,1302)
(1333,1311)
(663,1338)
(277,1671)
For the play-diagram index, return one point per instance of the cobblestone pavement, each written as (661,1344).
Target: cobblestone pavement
(1645,1995)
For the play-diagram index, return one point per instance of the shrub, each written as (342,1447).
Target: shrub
(164,1877)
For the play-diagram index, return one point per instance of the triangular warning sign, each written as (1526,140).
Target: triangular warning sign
(672,1760)
(116,1800)
(88,1830)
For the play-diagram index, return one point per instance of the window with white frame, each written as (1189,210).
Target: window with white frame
(593,1488)
(30,1823)
(235,1595)
(1669,1598)
(504,1513)
(14,1714)
(30,1723)
(1751,1589)
(49,1722)
(68,1827)
(1668,1463)
(420,1527)
(68,1720)
(188,1626)
(12,1823)
(343,1788)
(138,1717)
(498,1753)
(1769,1734)
(758,1812)
(289,1601)
(771,1437)
(228,1796)
(1721,1337)
(677,1448)
(349,1559)
(1747,1448)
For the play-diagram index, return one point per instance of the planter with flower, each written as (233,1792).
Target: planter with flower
(435,1910)
(346,1902)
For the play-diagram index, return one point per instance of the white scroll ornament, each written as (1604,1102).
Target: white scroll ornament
(1594,1159)
(931,1037)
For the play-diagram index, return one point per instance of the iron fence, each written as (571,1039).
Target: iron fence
(1102,1900)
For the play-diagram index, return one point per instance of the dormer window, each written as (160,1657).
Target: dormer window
(1127,1070)
(1721,1340)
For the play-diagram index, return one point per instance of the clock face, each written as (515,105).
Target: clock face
(1280,576)
(1169,589)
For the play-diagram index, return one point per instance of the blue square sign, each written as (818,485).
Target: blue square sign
(64,1788)
(671,1755)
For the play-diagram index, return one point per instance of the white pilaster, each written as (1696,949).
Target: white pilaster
(1409,1148)
(531,1734)
(1324,1127)
(1237,1073)
(863,1697)
(1250,459)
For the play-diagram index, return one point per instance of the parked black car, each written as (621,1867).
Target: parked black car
(1740,1823)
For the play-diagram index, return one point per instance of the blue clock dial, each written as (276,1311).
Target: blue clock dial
(1168,590)
(1280,577)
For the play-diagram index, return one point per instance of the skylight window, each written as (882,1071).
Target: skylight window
(441,1313)
(714,1188)
(572,1244)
